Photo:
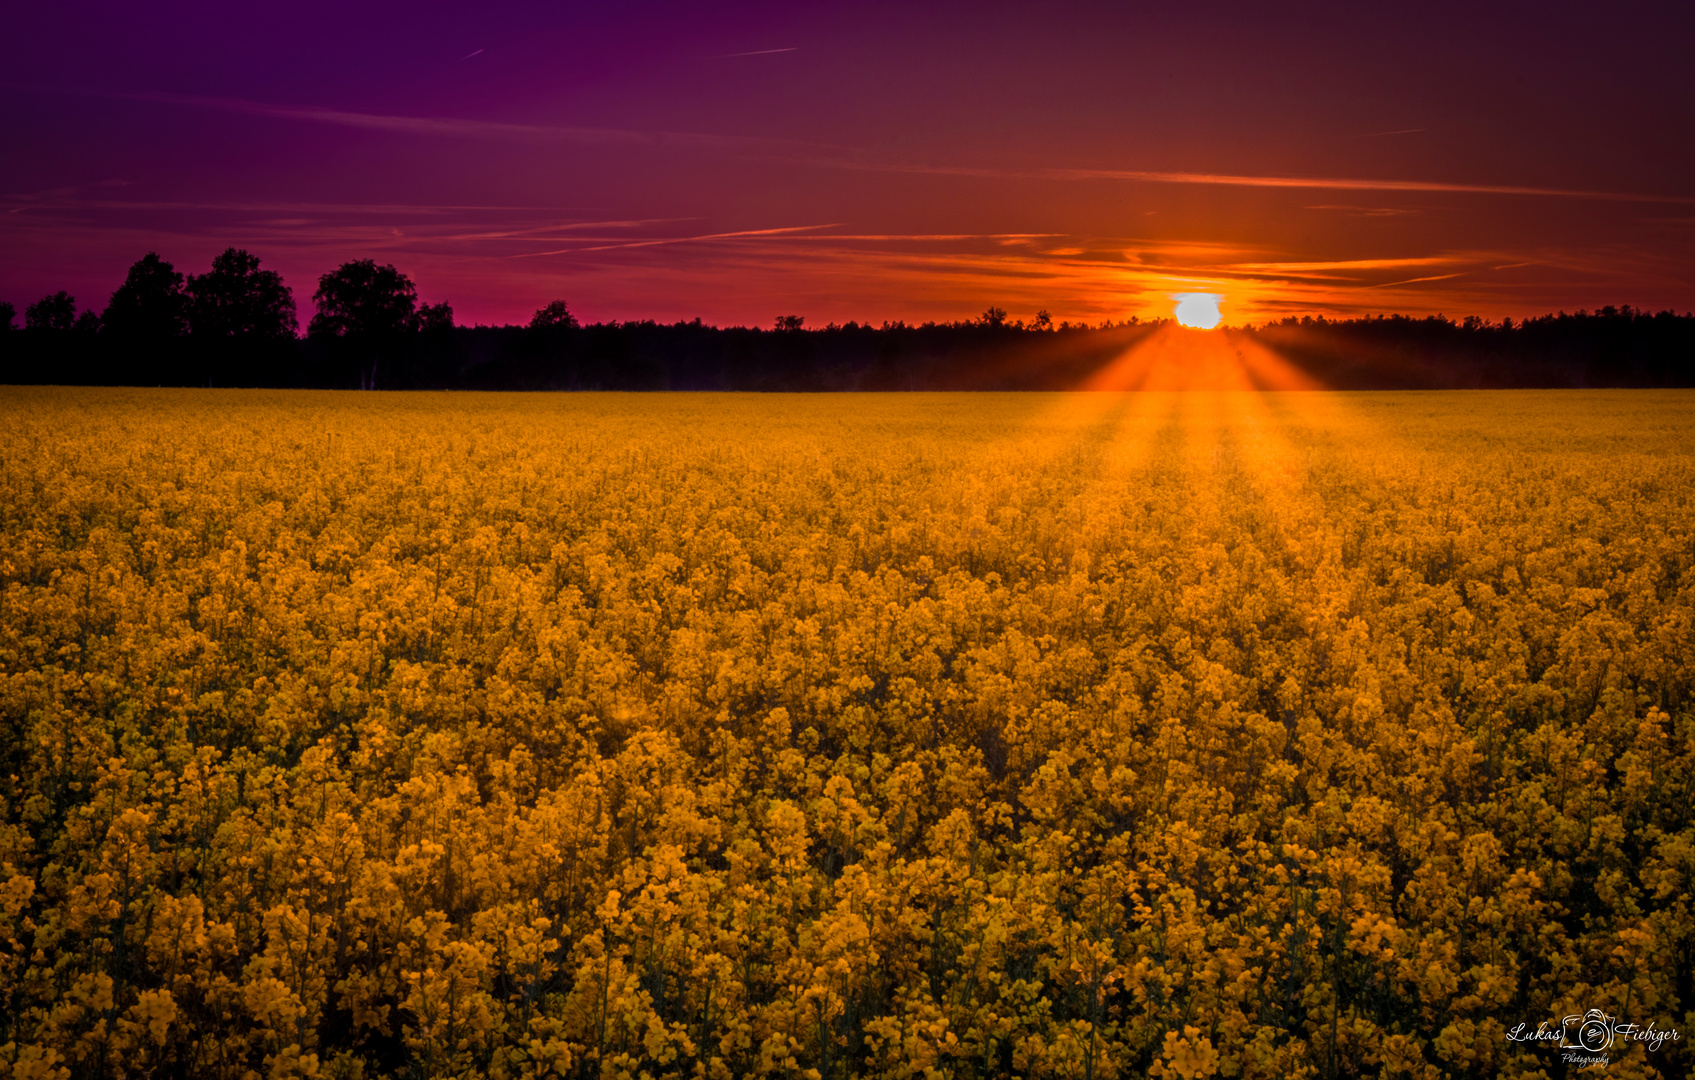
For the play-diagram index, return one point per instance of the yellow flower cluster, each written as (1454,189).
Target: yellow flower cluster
(1205,735)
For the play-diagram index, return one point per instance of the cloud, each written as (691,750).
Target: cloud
(789,151)
(465,129)
(799,233)
(1416,280)
(1366,211)
(56,201)
(1339,264)
(664,267)
(1319,183)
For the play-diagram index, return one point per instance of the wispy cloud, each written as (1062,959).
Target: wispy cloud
(925,237)
(67,199)
(55,196)
(789,151)
(549,233)
(1317,183)
(454,127)
(1366,211)
(1416,280)
(680,240)
(499,262)
(1346,184)
(1337,264)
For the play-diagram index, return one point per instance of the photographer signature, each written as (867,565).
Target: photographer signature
(1593,1032)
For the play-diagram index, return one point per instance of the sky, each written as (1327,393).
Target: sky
(870,162)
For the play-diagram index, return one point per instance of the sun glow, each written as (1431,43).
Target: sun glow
(1198,309)
(1171,358)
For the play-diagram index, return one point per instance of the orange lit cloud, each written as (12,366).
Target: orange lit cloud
(485,260)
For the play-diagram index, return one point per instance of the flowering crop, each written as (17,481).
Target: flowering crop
(923,735)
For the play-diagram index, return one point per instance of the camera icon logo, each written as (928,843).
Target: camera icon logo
(1594,1031)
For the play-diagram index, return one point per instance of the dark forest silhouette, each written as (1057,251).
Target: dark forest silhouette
(236,325)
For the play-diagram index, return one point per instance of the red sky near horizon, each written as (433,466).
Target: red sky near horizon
(865,161)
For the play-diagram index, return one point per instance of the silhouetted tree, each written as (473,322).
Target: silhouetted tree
(435,318)
(144,323)
(555,316)
(236,299)
(55,312)
(241,321)
(58,344)
(790,322)
(994,317)
(434,355)
(1043,321)
(14,366)
(149,306)
(370,310)
(540,354)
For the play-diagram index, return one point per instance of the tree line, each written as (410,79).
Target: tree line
(237,325)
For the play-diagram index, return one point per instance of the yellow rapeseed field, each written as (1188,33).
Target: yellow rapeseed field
(1194,735)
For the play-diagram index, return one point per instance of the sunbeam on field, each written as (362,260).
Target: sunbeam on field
(1181,358)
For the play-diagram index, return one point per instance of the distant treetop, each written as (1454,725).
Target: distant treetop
(57,311)
(435,318)
(236,299)
(360,299)
(555,316)
(149,305)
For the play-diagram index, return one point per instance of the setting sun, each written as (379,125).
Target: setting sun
(1198,309)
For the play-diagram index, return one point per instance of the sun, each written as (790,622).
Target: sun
(1198,309)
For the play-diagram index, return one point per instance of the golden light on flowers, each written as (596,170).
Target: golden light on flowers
(749,735)
(1198,309)
(1171,358)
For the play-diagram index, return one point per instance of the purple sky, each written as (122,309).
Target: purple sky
(867,161)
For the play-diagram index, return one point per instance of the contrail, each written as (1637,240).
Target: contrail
(1416,280)
(758,52)
(679,240)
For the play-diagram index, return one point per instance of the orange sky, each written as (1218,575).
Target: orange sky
(866,161)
